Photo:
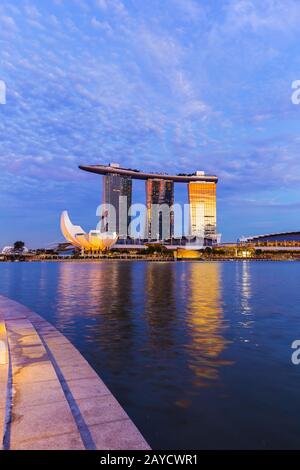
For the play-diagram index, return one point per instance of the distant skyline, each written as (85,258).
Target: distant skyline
(159,85)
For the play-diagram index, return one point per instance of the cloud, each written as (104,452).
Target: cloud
(8,22)
(102,4)
(102,26)
(191,9)
(112,6)
(182,87)
(258,15)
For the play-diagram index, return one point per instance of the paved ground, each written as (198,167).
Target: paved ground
(50,397)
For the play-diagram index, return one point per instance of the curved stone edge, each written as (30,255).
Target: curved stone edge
(4,371)
(101,421)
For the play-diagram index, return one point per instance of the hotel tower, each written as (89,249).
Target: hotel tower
(203,209)
(159,192)
(117,190)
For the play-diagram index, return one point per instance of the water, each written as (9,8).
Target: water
(199,354)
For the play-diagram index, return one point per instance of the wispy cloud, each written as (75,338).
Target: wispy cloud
(177,85)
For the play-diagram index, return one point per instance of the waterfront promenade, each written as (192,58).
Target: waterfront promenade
(50,397)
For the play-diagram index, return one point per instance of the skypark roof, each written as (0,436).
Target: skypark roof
(140,175)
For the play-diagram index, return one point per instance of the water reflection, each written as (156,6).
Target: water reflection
(244,295)
(100,293)
(206,322)
(245,288)
(160,336)
(160,304)
(125,309)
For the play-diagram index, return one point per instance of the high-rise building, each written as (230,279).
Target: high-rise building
(116,186)
(203,214)
(160,217)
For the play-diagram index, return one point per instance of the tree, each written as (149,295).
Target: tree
(156,248)
(19,246)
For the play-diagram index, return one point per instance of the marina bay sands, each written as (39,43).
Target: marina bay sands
(159,207)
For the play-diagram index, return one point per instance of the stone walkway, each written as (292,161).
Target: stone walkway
(50,397)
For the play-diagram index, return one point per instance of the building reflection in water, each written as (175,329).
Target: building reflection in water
(245,288)
(244,294)
(160,305)
(168,315)
(102,295)
(205,321)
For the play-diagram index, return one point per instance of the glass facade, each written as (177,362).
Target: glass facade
(160,224)
(115,186)
(203,214)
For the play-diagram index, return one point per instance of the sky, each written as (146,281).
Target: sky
(159,85)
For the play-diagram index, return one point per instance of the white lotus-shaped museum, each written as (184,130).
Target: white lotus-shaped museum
(92,241)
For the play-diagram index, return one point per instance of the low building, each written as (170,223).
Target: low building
(284,239)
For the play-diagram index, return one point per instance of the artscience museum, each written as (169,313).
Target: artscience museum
(92,241)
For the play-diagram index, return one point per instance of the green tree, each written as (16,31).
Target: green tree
(156,248)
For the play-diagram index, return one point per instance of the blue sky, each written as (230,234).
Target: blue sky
(167,85)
